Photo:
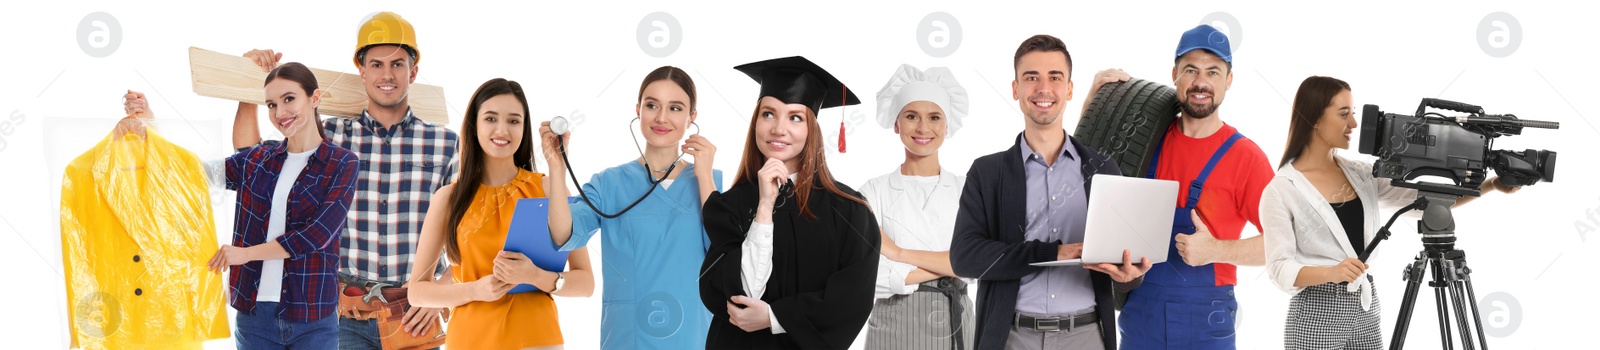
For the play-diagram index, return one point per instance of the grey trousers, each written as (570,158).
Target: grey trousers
(1081,338)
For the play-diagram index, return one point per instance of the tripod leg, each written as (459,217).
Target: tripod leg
(1441,302)
(1456,295)
(1413,277)
(1461,295)
(1477,317)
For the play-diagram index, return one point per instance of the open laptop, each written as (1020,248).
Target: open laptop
(1126,213)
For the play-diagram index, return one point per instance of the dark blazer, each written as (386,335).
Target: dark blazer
(988,243)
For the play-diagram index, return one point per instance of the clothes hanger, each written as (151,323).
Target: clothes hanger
(130,124)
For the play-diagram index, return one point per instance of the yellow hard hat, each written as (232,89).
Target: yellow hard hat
(386,28)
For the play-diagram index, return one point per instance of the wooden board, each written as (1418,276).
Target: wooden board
(233,77)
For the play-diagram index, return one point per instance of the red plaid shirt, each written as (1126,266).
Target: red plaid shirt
(316,220)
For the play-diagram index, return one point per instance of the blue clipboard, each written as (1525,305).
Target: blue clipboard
(529,234)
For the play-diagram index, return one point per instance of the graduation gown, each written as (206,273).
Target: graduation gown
(823,269)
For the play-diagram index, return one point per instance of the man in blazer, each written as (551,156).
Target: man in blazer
(1017,210)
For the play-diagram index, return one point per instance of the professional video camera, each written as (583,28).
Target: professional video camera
(1456,148)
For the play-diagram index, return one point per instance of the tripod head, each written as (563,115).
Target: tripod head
(1437,225)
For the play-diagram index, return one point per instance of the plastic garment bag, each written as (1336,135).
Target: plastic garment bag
(136,233)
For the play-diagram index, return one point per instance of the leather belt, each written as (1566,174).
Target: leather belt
(1055,324)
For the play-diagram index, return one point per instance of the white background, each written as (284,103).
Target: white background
(585,60)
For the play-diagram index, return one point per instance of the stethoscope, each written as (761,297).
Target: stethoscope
(560,126)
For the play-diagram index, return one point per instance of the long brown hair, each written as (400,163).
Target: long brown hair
(813,164)
(472,156)
(298,73)
(1314,96)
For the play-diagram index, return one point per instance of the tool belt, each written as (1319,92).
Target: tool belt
(387,303)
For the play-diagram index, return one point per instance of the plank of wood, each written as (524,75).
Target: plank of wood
(233,77)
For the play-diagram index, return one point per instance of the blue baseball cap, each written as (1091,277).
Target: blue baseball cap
(1206,37)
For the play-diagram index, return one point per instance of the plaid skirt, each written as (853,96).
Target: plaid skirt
(1325,316)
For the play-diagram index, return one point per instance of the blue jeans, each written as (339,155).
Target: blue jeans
(264,330)
(359,335)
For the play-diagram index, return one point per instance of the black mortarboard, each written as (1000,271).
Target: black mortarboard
(796,80)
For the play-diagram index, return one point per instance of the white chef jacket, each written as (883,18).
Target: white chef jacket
(917,212)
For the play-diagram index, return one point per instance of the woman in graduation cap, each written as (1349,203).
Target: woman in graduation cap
(793,253)
(916,207)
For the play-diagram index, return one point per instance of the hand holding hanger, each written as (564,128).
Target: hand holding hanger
(137,109)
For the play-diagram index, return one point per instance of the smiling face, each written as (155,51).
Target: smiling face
(500,126)
(387,72)
(291,110)
(781,130)
(664,114)
(1202,79)
(922,128)
(1042,86)
(1337,121)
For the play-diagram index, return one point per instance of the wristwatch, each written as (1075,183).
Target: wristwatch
(560,281)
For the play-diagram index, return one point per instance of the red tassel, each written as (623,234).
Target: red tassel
(844,99)
(841,137)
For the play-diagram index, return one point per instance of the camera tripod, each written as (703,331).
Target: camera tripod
(1451,282)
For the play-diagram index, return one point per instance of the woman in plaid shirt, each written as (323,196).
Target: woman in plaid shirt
(293,200)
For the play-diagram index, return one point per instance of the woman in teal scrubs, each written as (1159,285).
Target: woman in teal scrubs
(654,244)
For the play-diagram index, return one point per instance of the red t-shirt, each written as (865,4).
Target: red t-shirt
(1232,195)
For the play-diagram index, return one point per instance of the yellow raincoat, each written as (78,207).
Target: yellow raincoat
(136,233)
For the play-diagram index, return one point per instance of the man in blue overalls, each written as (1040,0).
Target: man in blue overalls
(1187,302)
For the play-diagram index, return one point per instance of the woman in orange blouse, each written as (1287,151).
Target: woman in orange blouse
(469,225)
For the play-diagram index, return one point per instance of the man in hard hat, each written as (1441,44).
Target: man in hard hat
(403,161)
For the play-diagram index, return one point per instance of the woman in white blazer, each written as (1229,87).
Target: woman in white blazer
(1318,212)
